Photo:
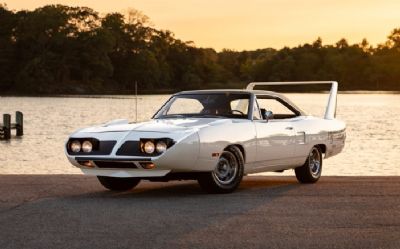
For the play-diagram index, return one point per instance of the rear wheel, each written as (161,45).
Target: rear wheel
(227,175)
(117,183)
(310,172)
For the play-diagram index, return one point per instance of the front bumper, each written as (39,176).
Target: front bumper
(183,156)
(134,166)
(125,172)
(116,166)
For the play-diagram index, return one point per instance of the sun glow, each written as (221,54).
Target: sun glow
(245,25)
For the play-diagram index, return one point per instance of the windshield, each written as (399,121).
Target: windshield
(206,105)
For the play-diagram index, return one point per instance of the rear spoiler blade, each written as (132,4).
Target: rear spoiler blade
(330,112)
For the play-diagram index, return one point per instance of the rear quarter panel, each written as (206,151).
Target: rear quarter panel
(318,131)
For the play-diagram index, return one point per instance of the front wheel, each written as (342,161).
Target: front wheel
(310,172)
(227,175)
(117,183)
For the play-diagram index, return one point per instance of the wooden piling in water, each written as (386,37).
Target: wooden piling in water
(7,126)
(19,121)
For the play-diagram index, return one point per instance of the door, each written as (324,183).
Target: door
(275,142)
(276,137)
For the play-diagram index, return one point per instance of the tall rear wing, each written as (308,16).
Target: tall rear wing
(330,112)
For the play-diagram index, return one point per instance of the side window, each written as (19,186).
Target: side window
(241,105)
(279,110)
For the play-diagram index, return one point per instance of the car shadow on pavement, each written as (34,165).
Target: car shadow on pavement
(18,189)
(249,185)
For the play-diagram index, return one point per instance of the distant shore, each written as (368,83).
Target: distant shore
(128,96)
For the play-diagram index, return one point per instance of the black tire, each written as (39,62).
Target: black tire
(310,172)
(117,183)
(231,164)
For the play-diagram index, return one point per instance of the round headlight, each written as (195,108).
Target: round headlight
(75,146)
(87,146)
(149,147)
(161,147)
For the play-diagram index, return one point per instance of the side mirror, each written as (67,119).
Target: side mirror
(267,115)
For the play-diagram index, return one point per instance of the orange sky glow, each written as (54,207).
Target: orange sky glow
(252,24)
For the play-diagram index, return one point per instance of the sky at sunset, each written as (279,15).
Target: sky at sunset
(252,24)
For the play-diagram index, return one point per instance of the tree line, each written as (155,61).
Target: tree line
(58,49)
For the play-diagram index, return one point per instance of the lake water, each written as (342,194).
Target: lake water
(372,145)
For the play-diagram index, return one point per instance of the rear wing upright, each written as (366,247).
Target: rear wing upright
(330,111)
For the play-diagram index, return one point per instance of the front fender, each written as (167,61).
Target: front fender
(214,139)
(182,156)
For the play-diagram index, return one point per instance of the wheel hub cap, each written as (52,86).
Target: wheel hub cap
(226,169)
(315,162)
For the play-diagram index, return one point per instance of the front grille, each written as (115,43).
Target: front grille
(130,148)
(113,165)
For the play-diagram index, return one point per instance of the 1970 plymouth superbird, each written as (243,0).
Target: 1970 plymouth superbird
(213,136)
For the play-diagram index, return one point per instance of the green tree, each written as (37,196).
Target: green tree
(63,49)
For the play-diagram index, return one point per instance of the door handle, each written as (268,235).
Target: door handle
(289,128)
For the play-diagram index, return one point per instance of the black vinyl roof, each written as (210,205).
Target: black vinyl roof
(255,92)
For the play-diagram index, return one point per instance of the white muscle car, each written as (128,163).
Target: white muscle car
(213,136)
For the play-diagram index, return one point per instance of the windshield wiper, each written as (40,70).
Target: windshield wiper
(173,116)
(207,116)
(191,116)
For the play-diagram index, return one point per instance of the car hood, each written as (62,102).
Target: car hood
(158,125)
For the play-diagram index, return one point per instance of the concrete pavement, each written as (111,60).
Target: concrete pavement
(74,211)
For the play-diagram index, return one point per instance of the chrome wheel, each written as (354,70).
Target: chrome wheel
(311,170)
(314,162)
(227,174)
(226,169)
